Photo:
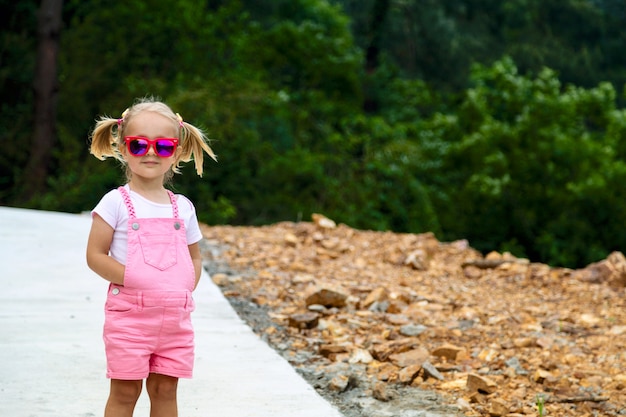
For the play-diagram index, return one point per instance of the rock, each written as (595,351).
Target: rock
(331,351)
(450,352)
(360,356)
(541,375)
(220,279)
(498,408)
(317,308)
(383,351)
(304,320)
(418,259)
(326,296)
(322,221)
(377,295)
(412,329)
(488,354)
(291,239)
(302,279)
(381,392)
(339,383)
(380,306)
(421,255)
(408,374)
(411,357)
(472,272)
(383,371)
(480,384)
(618,265)
(611,270)
(455,385)
(431,372)
(397,319)
(515,365)
(396,306)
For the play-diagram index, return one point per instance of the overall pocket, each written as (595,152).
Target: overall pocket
(118,305)
(159,250)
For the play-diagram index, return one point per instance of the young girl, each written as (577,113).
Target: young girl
(144,240)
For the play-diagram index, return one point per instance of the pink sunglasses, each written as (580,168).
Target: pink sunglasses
(139,145)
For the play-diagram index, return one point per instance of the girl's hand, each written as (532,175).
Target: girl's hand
(196,258)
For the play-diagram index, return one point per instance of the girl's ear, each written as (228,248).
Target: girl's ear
(123,151)
(177,155)
(177,158)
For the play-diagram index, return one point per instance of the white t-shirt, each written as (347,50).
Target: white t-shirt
(114,212)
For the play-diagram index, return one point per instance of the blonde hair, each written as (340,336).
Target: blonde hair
(107,137)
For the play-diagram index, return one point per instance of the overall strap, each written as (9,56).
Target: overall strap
(174,203)
(127,202)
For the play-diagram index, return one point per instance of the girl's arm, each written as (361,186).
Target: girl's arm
(98,246)
(196,258)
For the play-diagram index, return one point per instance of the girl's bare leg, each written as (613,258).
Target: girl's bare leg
(162,391)
(122,398)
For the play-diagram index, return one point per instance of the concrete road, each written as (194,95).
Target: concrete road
(51,349)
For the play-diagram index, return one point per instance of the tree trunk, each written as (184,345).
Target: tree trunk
(375,29)
(45,88)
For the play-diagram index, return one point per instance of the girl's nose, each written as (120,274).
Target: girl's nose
(151,150)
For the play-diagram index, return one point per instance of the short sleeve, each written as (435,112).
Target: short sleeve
(109,208)
(187,209)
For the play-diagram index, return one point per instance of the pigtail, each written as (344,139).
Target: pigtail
(104,139)
(194,144)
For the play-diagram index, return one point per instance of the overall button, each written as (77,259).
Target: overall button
(176,225)
(115,291)
(135,226)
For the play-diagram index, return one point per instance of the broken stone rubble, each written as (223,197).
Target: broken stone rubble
(406,312)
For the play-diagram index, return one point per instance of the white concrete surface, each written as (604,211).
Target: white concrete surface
(52,360)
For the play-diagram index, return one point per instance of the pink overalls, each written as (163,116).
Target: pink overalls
(147,326)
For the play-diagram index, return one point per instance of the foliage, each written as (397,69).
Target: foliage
(438,40)
(17,66)
(495,121)
(534,169)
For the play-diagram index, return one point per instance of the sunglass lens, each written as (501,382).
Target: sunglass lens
(165,148)
(138,147)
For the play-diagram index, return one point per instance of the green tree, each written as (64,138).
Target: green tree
(268,108)
(18,45)
(45,88)
(438,41)
(532,165)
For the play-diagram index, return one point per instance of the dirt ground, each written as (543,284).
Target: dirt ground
(387,324)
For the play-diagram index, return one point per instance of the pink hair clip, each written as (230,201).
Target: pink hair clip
(180,119)
(121,119)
